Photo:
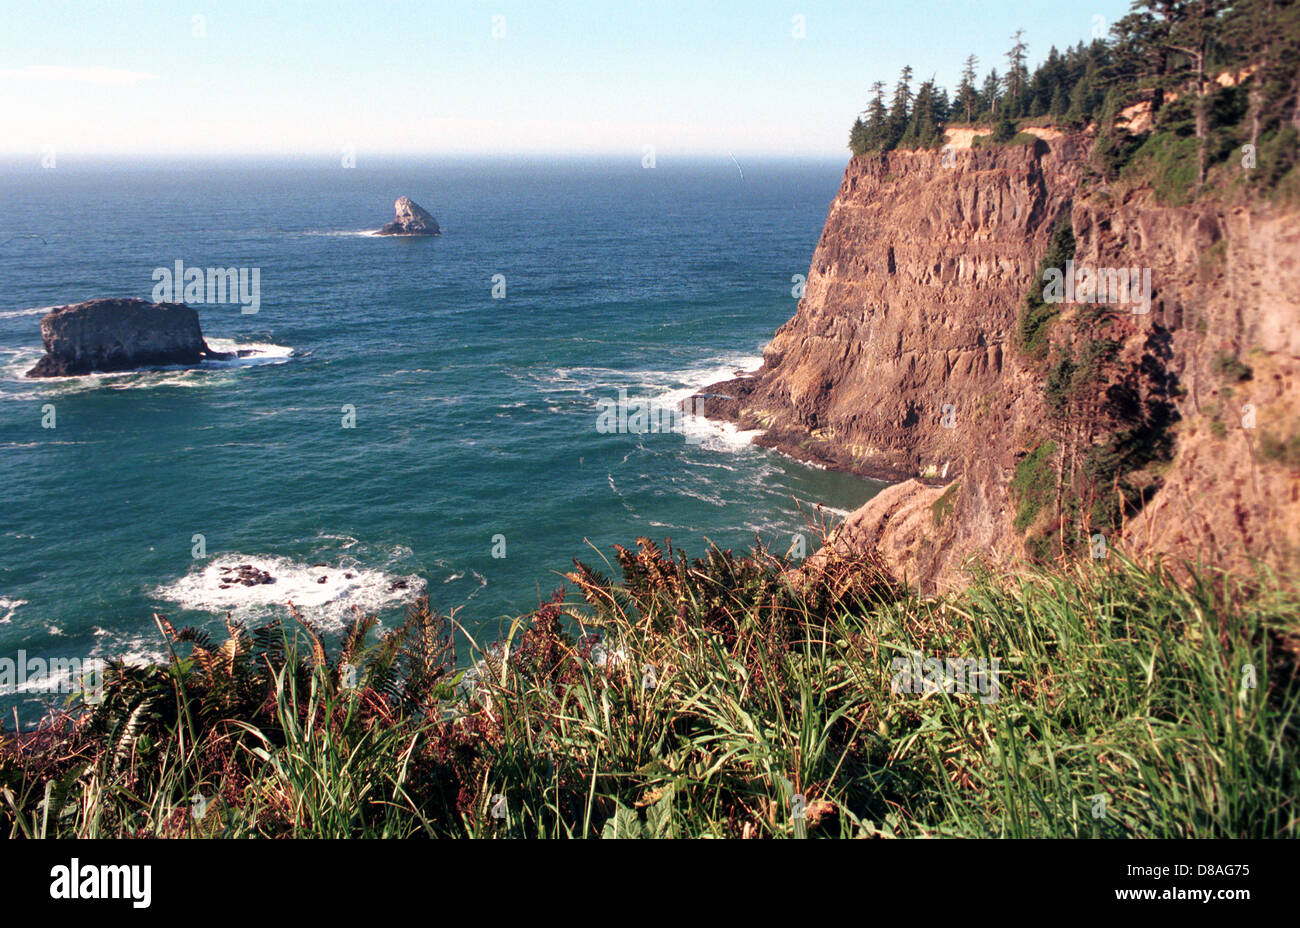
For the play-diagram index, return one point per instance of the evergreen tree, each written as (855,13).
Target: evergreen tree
(925,128)
(1265,34)
(968,97)
(868,135)
(1086,97)
(1060,102)
(941,108)
(1161,48)
(877,114)
(1186,28)
(900,111)
(990,95)
(857,137)
(1016,74)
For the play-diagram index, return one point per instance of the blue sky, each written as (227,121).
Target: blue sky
(700,77)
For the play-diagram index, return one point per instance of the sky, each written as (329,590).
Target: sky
(389,77)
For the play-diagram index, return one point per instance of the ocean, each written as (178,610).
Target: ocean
(414,414)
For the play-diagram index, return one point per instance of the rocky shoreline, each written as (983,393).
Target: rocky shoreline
(727,401)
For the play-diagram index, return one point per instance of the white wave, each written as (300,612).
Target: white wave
(65,680)
(715,435)
(324,594)
(135,650)
(344,233)
(667,390)
(711,434)
(690,380)
(347,541)
(9,607)
(30,311)
(726,368)
(251,354)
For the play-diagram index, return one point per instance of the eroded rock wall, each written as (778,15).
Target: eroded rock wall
(901,360)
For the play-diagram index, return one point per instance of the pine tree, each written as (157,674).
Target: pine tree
(857,137)
(1265,34)
(1192,27)
(1015,79)
(1087,95)
(990,95)
(968,97)
(877,114)
(940,109)
(1060,102)
(868,135)
(900,111)
(925,128)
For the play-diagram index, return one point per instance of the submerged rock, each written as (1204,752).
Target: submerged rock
(120,335)
(411,219)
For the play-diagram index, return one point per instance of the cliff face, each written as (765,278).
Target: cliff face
(901,361)
(908,309)
(1228,286)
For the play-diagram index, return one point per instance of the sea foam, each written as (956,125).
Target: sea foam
(324,593)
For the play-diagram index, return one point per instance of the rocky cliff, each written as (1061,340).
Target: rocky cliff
(906,361)
(118,335)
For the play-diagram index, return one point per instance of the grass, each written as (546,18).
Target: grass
(719,697)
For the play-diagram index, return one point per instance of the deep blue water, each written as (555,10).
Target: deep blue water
(475,417)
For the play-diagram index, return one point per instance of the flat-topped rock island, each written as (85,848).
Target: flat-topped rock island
(106,335)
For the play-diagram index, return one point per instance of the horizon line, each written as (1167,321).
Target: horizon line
(315,154)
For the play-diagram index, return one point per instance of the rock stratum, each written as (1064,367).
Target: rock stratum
(902,363)
(107,335)
(410,219)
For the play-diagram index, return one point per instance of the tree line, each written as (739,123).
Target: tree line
(1161,49)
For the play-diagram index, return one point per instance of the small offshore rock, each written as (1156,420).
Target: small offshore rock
(411,219)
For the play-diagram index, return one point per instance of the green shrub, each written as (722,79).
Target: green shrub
(1284,451)
(1276,158)
(1167,161)
(942,507)
(1229,368)
(1033,485)
(996,141)
(1033,327)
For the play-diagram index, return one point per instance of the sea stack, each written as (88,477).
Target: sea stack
(411,219)
(120,335)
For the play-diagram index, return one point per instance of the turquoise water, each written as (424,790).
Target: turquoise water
(475,417)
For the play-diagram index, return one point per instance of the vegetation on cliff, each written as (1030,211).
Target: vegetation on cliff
(1036,315)
(1197,96)
(1213,75)
(726,696)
